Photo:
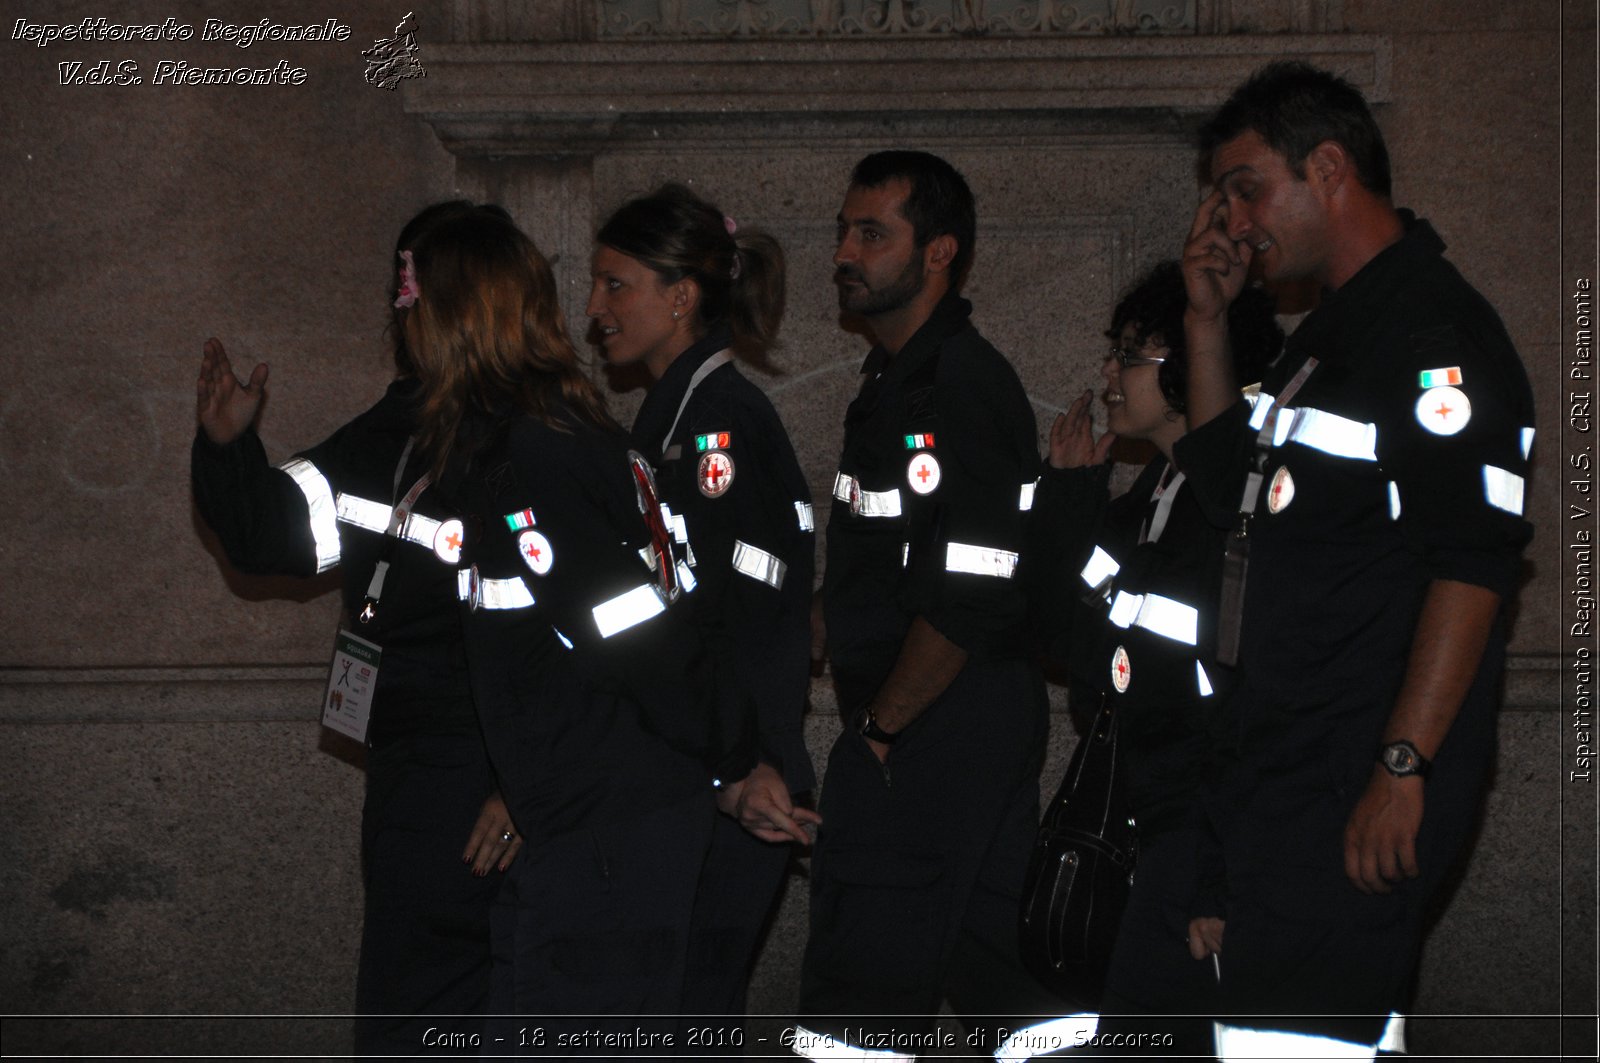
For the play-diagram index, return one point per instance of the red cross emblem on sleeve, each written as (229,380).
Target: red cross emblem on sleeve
(1281,493)
(1121,672)
(716,473)
(923,473)
(1444,411)
(535,550)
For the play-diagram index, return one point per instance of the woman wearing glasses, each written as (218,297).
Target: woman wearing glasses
(1129,594)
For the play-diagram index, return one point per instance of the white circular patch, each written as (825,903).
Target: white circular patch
(1444,411)
(1281,491)
(1120,670)
(715,473)
(447,541)
(923,473)
(535,550)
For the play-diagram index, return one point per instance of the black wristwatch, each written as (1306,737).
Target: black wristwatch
(869,728)
(1402,759)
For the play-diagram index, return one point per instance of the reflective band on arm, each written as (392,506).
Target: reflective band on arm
(759,565)
(1025,498)
(866,503)
(803,514)
(1041,1039)
(1164,616)
(1503,489)
(1394,1034)
(1238,1042)
(1101,567)
(1202,680)
(680,527)
(492,593)
(324,514)
(1527,443)
(1329,433)
(686,577)
(979,560)
(809,1044)
(626,610)
(364,513)
(1394,500)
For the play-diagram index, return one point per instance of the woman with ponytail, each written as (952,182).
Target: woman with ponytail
(680,288)
(596,700)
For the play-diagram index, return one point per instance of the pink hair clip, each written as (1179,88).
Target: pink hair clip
(410,292)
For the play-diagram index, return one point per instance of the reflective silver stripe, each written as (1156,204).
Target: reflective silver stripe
(686,577)
(756,563)
(804,514)
(1503,489)
(1329,433)
(979,560)
(905,554)
(1527,444)
(1318,429)
(363,513)
(375,517)
(808,1044)
(1394,500)
(626,610)
(679,527)
(1164,616)
(324,514)
(1069,1031)
(492,593)
(1238,1042)
(1394,1034)
(1202,680)
(1025,499)
(872,503)
(1101,567)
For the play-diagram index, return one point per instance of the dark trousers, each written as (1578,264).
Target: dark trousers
(425,935)
(1154,987)
(738,889)
(591,936)
(917,873)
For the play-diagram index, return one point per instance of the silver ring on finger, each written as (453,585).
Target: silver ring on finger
(506,836)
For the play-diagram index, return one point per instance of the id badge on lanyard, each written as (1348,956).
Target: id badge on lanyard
(353,676)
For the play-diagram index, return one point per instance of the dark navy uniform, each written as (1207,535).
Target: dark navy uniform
(1133,616)
(1400,460)
(604,724)
(425,936)
(729,474)
(919,863)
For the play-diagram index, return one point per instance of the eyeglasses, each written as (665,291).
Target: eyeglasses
(1130,359)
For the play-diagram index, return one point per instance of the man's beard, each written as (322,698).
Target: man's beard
(869,303)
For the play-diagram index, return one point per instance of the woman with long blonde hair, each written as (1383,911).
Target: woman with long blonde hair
(595,698)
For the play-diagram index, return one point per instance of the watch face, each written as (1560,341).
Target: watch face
(1400,759)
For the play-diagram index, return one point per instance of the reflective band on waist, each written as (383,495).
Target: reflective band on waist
(1318,429)
(1503,489)
(626,610)
(324,514)
(1202,680)
(803,513)
(1025,498)
(1101,567)
(1164,616)
(1238,1042)
(1069,1031)
(809,1044)
(492,593)
(979,560)
(375,517)
(868,503)
(758,564)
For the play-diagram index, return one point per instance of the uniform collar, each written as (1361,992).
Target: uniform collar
(948,317)
(1331,326)
(660,406)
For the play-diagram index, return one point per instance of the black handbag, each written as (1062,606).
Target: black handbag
(1081,872)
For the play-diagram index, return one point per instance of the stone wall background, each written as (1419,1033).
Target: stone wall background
(178,836)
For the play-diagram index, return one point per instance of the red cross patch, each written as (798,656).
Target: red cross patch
(447,541)
(1444,411)
(923,473)
(1281,492)
(1121,672)
(535,550)
(715,473)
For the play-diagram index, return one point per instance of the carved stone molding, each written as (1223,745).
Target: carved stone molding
(578,99)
